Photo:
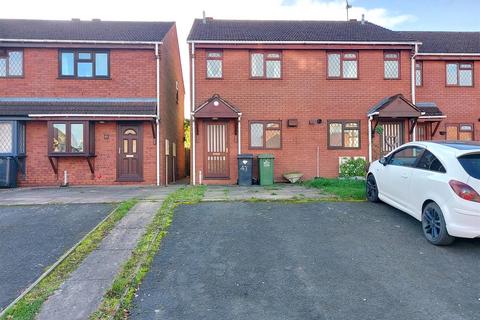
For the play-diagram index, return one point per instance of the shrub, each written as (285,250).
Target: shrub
(353,168)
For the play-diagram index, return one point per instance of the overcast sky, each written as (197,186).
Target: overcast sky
(395,14)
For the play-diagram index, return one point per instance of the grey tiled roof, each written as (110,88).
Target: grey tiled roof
(83,30)
(100,106)
(287,30)
(430,108)
(446,42)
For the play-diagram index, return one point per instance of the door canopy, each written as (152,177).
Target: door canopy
(216,107)
(396,106)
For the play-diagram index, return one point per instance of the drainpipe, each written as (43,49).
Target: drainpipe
(370,118)
(192,106)
(157,119)
(413,84)
(239,134)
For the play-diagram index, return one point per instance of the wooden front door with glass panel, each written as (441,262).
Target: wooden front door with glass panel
(216,153)
(130,153)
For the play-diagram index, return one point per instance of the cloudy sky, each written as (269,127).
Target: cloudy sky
(394,14)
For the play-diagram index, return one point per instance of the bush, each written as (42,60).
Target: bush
(353,168)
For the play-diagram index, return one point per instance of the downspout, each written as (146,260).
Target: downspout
(192,106)
(370,118)
(157,119)
(239,134)
(413,84)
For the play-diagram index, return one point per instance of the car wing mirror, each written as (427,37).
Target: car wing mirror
(383,161)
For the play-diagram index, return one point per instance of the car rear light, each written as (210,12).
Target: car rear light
(464,191)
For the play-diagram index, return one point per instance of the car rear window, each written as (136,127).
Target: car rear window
(471,164)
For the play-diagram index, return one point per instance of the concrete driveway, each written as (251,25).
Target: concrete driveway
(34,237)
(89,194)
(307,261)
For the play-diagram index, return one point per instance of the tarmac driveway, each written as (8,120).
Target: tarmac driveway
(33,237)
(307,261)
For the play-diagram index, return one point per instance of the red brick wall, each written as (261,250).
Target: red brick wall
(303,93)
(133,74)
(459,104)
(171,112)
(40,172)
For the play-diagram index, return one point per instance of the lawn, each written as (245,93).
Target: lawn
(344,189)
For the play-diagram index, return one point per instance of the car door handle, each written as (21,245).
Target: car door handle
(404,176)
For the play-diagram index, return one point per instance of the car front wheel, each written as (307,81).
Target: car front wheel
(372,189)
(434,226)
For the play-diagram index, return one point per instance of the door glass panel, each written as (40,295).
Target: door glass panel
(134,146)
(452,132)
(406,157)
(130,132)
(59,137)
(430,162)
(125,146)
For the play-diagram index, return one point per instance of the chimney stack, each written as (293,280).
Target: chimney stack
(204,18)
(363,18)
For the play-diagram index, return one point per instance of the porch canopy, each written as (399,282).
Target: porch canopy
(216,108)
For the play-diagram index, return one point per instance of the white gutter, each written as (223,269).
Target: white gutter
(373,114)
(81,41)
(302,42)
(92,115)
(448,54)
(157,119)
(192,106)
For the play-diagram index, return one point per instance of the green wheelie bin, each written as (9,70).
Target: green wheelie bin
(265,168)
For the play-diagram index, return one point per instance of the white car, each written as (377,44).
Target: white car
(437,182)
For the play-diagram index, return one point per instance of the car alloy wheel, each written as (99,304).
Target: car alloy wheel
(372,189)
(434,226)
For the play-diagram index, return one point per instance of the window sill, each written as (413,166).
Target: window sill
(64,155)
(77,78)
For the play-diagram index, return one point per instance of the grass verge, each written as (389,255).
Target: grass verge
(344,189)
(27,307)
(118,298)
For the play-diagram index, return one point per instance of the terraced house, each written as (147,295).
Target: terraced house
(314,93)
(91,102)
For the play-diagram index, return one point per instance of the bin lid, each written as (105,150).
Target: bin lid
(245,156)
(265,156)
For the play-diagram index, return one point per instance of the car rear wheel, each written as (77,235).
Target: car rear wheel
(434,226)
(372,189)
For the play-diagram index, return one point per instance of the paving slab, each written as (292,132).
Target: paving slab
(324,260)
(82,194)
(82,293)
(279,191)
(34,237)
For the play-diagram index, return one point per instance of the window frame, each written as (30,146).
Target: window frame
(88,139)
(343,122)
(419,67)
(214,58)
(7,61)
(459,63)
(398,59)
(264,123)
(76,60)
(265,54)
(458,126)
(342,59)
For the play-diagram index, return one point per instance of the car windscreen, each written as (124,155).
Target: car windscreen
(471,164)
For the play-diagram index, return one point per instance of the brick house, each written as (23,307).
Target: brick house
(92,102)
(314,93)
